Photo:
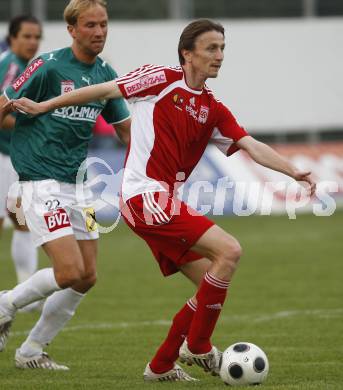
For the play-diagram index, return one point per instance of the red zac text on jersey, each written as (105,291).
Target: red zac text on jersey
(145,82)
(28,72)
(57,219)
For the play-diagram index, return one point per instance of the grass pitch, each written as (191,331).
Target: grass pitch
(287,297)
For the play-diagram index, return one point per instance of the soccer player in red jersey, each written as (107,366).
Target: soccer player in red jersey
(175,116)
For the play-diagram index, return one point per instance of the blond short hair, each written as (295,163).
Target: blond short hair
(76,7)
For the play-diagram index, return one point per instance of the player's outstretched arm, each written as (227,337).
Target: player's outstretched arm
(107,90)
(6,121)
(268,157)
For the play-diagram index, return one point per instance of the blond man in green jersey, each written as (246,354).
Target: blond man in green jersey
(47,152)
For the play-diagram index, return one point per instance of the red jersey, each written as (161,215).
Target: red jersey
(171,126)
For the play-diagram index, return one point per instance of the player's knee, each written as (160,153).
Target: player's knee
(89,280)
(230,255)
(86,283)
(69,278)
(234,251)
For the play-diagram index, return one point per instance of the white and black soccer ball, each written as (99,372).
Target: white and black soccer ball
(244,364)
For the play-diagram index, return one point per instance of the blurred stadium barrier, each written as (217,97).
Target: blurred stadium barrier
(182,9)
(278,76)
(221,186)
(283,81)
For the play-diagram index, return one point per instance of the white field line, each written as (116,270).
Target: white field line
(105,325)
(319,313)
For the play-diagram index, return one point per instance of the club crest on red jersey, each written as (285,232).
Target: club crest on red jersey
(57,219)
(178,100)
(203,114)
(67,86)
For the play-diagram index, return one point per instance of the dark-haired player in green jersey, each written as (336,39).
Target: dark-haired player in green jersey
(24,34)
(47,152)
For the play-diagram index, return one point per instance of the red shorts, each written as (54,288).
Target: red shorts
(170,228)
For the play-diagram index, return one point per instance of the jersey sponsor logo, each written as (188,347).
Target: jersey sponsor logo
(145,82)
(91,224)
(88,114)
(57,219)
(67,86)
(203,115)
(28,72)
(192,112)
(192,101)
(10,76)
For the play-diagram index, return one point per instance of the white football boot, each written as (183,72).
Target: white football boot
(7,313)
(209,361)
(176,374)
(41,361)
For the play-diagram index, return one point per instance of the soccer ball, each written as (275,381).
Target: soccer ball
(244,364)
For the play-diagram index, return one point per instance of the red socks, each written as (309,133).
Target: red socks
(197,323)
(211,296)
(168,352)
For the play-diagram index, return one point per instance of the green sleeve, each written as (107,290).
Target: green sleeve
(115,111)
(32,83)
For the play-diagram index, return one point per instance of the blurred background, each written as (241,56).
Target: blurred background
(282,78)
(183,9)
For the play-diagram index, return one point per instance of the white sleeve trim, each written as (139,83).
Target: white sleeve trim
(220,141)
(122,120)
(5,94)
